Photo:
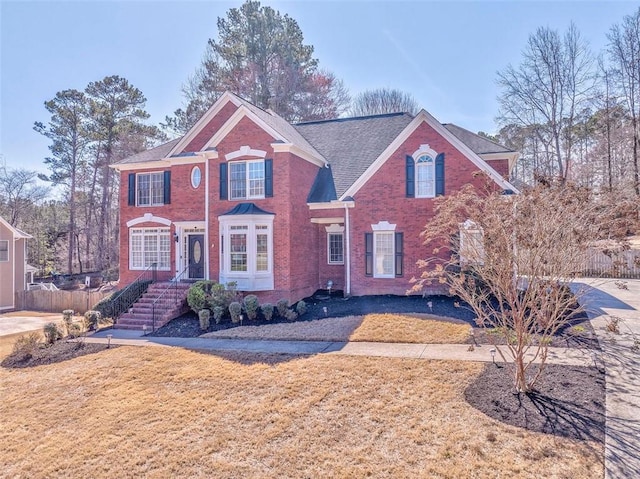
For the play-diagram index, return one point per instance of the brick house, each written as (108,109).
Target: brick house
(282,209)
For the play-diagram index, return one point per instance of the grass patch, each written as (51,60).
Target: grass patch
(404,328)
(156,412)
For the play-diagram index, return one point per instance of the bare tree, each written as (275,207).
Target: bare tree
(547,89)
(19,192)
(512,260)
(624,52)
(383,100)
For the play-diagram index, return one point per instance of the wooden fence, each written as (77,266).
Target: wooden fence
(57,301)
(622,264)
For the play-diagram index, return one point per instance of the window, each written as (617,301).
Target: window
(4,250)
(383,254)
(384,251)
(471,243)
(148,246)
(425,177)
(150,189)
(335,244)
(246,179)
(196,176)
(246,251)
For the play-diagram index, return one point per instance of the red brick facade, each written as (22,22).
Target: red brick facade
(300,262)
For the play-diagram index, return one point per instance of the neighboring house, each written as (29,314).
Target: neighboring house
(282,209)
(14,270)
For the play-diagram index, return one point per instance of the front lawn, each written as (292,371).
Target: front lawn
(156,412)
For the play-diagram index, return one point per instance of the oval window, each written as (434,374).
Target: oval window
(197,252)
(196,176)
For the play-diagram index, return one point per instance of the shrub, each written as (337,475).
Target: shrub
(67,316)
(301,308)
(291,315)
(235,310)
(91,319)
(74,330)
(267,310)
(222,295)
(25,346)
(251,306)
(218,313)
(283,306)
(197,295)
(203,316)
(51,333)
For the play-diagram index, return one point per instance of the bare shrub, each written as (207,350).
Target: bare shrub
(25,346)
(51,333)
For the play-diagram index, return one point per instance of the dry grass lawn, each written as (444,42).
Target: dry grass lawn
(168,412)
(403,328)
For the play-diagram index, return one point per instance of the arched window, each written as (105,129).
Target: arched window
(425,177)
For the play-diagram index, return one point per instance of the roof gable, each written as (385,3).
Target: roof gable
(425,117)
(479,144)
(17,233)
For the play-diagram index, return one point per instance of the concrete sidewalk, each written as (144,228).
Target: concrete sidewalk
(606,299)
(461,352)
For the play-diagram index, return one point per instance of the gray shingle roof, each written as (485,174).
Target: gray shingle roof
(350,145)
(153,154)
(479,144)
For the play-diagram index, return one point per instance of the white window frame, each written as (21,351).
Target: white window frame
(195,184)
(4,260)
(252,279)
(383,228)
(247,180)
(150,174)
(471,247)
(335,230)
(425,151)
(136,264)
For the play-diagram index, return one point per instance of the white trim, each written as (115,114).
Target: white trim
(299,152)
(144,235)
(376,234)
(250,280)
(137,185)
(424,150)
(331,205)
(511,157)
(424,117)
(225,98)
(16,232)
(334,228)
(247,180)
(233,121)
(383,226)
(148,217)
(200,157)
(245,151)
(327,221)
(193,170)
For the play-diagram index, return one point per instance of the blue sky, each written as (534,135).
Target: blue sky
(444,53)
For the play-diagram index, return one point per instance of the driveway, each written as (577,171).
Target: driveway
(607,301)
(24,321)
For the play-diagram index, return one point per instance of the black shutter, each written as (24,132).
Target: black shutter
(268,178)
(399,253)
(410,176)
(368,256)
(132,189)
(440,174)
(167,187)
(223,181)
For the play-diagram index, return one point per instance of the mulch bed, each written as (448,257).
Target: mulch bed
(569,401)
(188,326)
(50,354)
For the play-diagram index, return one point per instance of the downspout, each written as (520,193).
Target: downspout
(206,217)
(348,248)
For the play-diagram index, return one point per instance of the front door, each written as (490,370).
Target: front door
(196,256)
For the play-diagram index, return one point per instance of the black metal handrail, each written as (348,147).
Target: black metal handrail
(173,286)
(124,299)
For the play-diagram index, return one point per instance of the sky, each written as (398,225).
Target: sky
(446,54)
